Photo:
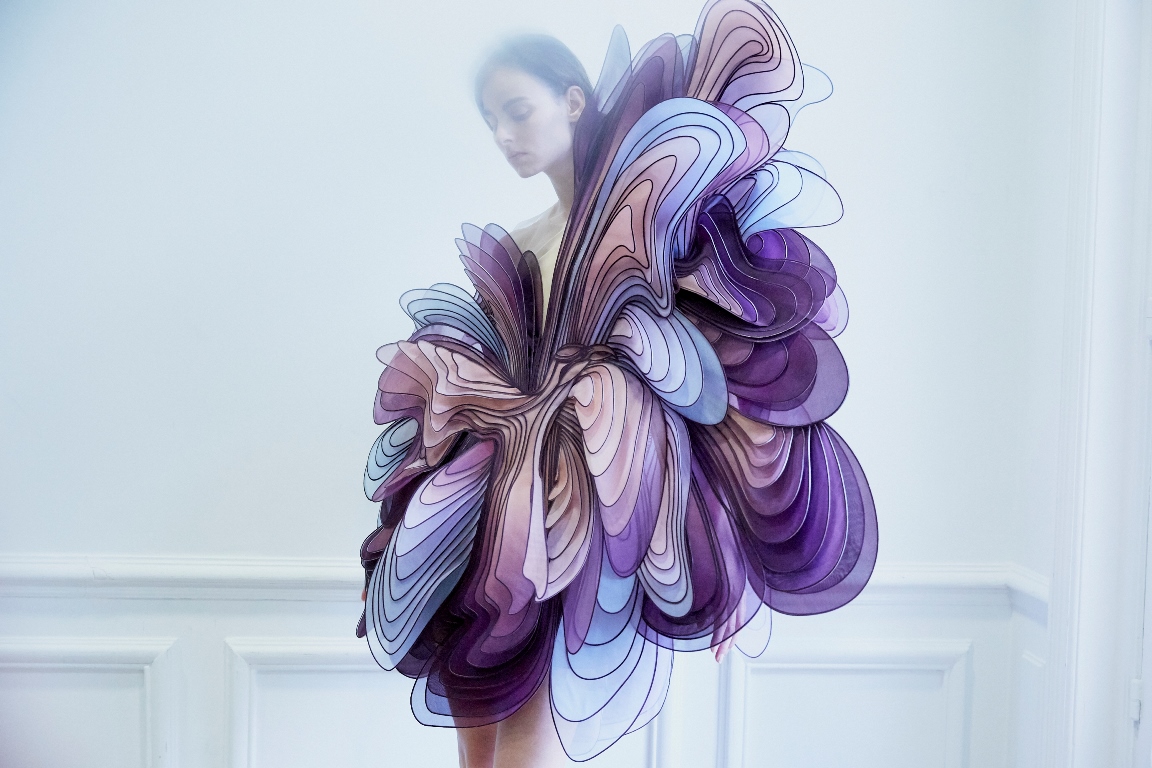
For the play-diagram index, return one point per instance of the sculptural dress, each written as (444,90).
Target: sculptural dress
(573,497)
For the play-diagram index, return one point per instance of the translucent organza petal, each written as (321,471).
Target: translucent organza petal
(747,59)
(508,282)
(615,70)
(664,573)
(670,157)
(571,501)
(787,194)
(817,88)
(677,361)
(798,381)
(765,287)
(616,681)
(448,304)
(624,449)
(388,455)
(801,504)
(427,554)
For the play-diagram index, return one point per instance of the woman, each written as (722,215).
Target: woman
(531,93)
(617,448)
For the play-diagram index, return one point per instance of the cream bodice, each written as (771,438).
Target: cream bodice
(541,234)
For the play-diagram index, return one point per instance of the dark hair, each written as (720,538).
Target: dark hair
(541,56)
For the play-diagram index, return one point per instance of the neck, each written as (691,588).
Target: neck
(563,178)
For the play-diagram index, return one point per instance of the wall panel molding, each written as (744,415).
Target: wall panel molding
(154,658)
(950,657)
(250,656)
(976,584)
(340,579)
(82,652)
(181,577)
(297,632)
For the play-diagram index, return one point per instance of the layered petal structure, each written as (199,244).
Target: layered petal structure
(570,500)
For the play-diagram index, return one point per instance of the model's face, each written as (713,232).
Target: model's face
(532,126)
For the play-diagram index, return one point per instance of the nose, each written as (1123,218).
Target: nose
(502,135)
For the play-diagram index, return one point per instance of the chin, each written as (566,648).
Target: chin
(525,169)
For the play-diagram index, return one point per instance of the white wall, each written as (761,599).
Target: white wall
(207,213)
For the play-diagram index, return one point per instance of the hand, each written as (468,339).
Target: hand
(364,595)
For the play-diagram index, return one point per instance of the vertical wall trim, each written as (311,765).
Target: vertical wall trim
(1142,203)
(656,743)
(731,705)
(1064,607)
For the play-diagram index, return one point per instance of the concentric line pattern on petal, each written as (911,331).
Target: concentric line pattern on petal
(616,682)
(427,554)
(388,455)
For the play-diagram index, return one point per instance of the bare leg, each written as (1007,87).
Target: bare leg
(527,739)
(477,746)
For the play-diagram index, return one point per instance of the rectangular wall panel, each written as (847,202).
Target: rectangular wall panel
(87,701)
(316,718)
(317,702)
(845,717)
(849,702)
(52,717)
